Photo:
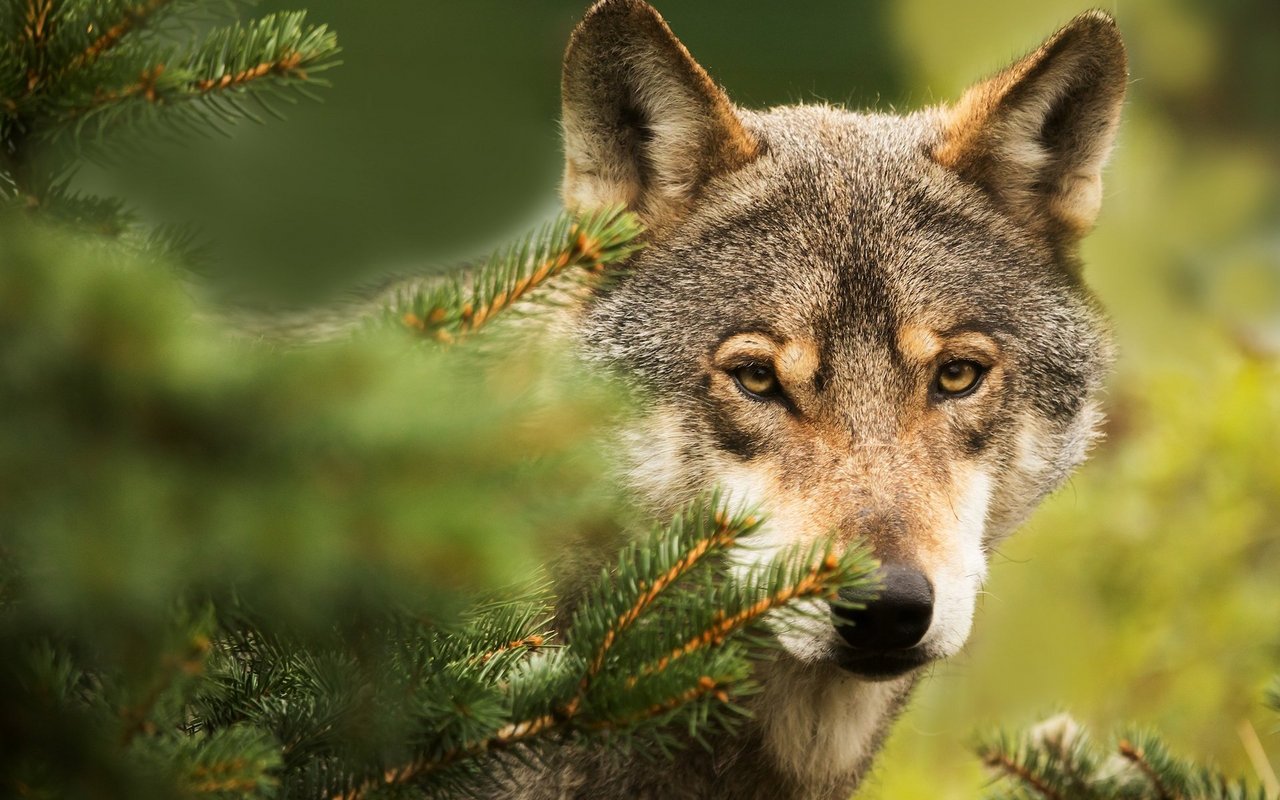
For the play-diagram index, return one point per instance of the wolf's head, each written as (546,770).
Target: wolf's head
(871,326)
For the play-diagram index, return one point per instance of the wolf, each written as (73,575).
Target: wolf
(872,326)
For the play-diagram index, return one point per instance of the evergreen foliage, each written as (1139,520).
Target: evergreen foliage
(452,308)
(245,584)
(76,73)
(1058,760)
(236,570)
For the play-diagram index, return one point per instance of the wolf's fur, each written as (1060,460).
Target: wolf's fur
(854,254)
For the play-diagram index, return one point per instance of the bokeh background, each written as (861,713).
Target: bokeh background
(1147,590)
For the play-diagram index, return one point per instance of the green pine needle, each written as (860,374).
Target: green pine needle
(454,308)
(1056,760)
(82,72)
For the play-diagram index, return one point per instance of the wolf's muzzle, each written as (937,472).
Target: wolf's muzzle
(882,629)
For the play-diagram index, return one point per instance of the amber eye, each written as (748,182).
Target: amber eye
(958,378)
(757,380)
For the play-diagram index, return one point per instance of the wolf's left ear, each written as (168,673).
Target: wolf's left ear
(644,125)
(1036,136)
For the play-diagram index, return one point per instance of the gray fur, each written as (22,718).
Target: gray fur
(859,251)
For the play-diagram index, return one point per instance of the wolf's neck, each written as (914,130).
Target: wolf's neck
(821,726)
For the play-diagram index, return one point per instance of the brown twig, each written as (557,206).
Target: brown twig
(284,65)
(190,662)
(1139,759)
(723,536)
(582,251)
(209,780)
(1002,762)
(36,29)
(506,736)
(530,643)
(133,17)
(814,582)
(516,733)
(706,686)
(148,87)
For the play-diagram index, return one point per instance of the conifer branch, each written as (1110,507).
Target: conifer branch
(75,70)
(131,18)
(190,662)
(1054,760)
(706,687)
(1136,756)
(528,644)
(37,29)
(269,54)
(1001,761)
(518,733)
(287,64)
(238,761)
(727,531)
(506,736)
(454,309)
(822,579)
(607,693)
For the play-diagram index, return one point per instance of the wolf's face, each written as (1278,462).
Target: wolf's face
(873,327)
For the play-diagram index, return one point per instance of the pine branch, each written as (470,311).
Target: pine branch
(1137,756)
(76,71)
(520,647)
(588,690)
(707,686)
(675,564)
(241,762)
(1052,760)
(136,717)
(521,732)
(1001,761)
(37,28)
(508,736)
(130,18)
(1055,761)
(261,60)
(454,309)
(822,574)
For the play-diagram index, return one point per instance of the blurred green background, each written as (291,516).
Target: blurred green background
(1147,590)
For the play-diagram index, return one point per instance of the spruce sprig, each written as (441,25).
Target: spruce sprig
(451,309)
(1057,760)
(232,74)
(585,689)
(77,71)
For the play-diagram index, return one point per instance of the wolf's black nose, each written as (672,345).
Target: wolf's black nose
(895,619)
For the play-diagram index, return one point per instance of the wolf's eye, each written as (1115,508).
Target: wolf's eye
(757,380)
(959,378)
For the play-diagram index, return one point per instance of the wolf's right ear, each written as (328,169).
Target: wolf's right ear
(1036,136)
(644,125)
